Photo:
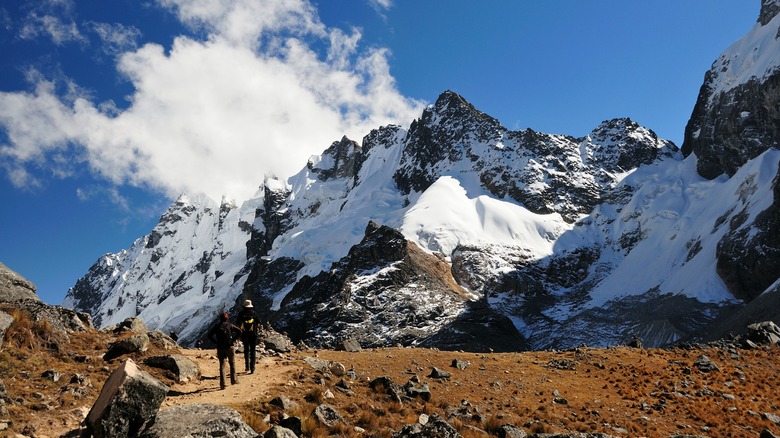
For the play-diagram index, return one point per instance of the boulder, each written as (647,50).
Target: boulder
(5,321)
(14,287)
(129,399)
(183,368)
(435,427)
(460,364)
(277,342)
(764,333)
(327,415)
(294,424)
(385,384)
(198,420)
(284,403)
(161,340)
(133,344)
(279,432)
(135,325)
(703,363)
(510,431)
(349,344)
(438,374)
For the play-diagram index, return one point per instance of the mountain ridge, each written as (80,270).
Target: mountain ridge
(592,240)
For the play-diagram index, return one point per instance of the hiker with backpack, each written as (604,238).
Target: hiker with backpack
(224,335)
(247,321)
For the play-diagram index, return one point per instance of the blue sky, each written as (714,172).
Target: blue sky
(109,110)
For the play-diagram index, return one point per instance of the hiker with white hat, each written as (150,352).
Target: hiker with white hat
(247,321)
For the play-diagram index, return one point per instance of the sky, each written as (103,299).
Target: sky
(110,110)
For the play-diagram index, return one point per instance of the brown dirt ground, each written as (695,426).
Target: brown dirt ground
(619,391)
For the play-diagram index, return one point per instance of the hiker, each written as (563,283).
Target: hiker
(224,334)
(247,321)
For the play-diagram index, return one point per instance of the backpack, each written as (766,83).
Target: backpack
(225,335)
(248,324)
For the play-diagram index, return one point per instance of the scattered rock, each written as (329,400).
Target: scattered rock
(277,342)
(182,367)
(294,424)
(327,415)
(766,433)
(510,431)
(161,340)
(128,401)
(460,364)
(350,344)
(52,375)
(198,420)
(279,432)
(385,384)
(284,403)
(774,418)
(435,427)
(438,374)
(703,363)
(337,369)
(133,344)
(135,325)
(764,333)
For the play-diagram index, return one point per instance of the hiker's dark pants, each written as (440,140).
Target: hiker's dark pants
(250,353)
(230,355)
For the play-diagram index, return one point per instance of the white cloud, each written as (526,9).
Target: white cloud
(217,115)
(116,38)
(53,27)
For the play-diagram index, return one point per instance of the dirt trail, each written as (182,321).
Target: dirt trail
(270,372)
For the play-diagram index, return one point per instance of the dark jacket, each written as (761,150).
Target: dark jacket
(248,323)
(224,334)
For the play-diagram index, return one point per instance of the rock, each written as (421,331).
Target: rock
(294,424)
(198,420)
(284,403)
(385,385)
(774,418)
(279,432)
(460,364)
(764,333)
(703,363)
(5,321)
(438,374)
(277,342)
(766,433)
(435,427)
(349,344)
(423,391)
(52,375)
(133,344)
(182,367)
(510,431)
(327,415)
(337,369)
(14,287)
(129,399)
(320,365)
(135,325)
(636,342)
(161,340)
(3,394)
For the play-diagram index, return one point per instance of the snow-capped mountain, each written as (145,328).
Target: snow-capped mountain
(459,233)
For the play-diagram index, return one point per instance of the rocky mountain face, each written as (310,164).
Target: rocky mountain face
(736,119)
(459,233)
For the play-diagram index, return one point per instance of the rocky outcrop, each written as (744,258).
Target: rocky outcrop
(128,401)
(5,321)
(736,116)
(198,420)
(14,287)
(386,291)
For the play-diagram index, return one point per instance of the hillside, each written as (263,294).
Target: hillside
(619,391)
